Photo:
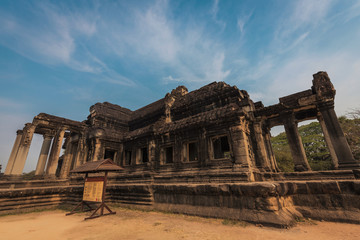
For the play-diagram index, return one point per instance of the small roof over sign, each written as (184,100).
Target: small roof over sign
(105,165)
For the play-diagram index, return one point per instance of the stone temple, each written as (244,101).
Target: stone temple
(205,152)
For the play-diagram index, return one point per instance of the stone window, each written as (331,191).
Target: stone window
(144,155)
(128,156)
(221,147)
(169,155)
(190,152)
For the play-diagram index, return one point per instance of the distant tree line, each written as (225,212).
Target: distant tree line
(314,143)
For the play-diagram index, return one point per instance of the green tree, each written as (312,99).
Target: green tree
(314,143)
(351,128)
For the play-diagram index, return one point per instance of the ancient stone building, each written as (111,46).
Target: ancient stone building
(205,152)
(215,131)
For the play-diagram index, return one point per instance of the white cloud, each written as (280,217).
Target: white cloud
(296,76)
(56,39)
(309,12)
(151,35)
(158,32)
(170,79)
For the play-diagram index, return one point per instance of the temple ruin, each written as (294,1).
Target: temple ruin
(214,141)
(215,129)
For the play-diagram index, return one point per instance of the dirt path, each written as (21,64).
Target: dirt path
(131,224)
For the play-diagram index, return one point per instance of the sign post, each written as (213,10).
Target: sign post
(95,187)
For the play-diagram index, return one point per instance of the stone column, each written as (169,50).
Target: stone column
(44,152)
(80,157)
(295,143)
(328,142)
(204,148)
(270,152)
(337,138)
(263,160)
(97,150)
(65,169)
(55,152)
(14,152)
(23,151)
(240,146)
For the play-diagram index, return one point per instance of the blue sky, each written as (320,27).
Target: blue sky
(60,57)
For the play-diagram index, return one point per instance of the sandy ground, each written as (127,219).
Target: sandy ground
(132,224)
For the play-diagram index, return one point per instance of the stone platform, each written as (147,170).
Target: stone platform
(274,203)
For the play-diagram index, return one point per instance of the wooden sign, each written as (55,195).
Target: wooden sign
(93,189)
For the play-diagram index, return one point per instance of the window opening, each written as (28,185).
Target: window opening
(144,155)
(109,154)
(221,147)
(169,155)
(128,154)
(192,152)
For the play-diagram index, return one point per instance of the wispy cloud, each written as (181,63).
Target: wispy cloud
(214,13)
(242,21)
(296,24)
(56,38)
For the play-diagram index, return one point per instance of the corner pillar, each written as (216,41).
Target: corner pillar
(337,138)
(329,144)
(25,143)
(240,146)
(297,149)
(14,152)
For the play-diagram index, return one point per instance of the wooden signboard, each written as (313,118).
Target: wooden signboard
(93,189)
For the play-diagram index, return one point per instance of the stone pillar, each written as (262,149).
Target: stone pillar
(69,149)
(270,152)
(80,157)
(263,160)
(97,150)
(328,142)
(204,148)
(337,138)
(14,152)
(44,152)
(240,146)
(55,152)
(295,143)
(23,151)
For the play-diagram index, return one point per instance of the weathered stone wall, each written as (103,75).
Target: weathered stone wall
(269,203)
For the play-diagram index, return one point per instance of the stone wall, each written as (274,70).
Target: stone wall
(269,203)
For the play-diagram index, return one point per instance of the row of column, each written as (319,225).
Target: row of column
(334,137)
(21,148)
